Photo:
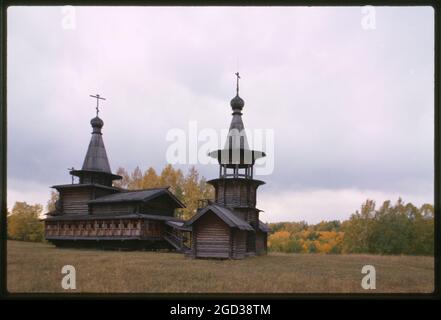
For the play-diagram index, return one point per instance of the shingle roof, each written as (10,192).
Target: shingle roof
(226,214)
(96,156)
(137,195)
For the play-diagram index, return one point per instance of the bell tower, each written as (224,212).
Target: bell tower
(235,187)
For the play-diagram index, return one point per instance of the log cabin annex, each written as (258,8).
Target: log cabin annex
(94,213)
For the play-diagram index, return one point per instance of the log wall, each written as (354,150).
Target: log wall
(113,208)
(238,244)
(211,237)
(75,200)
(236,193)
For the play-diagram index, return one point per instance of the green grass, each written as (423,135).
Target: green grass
(36,267)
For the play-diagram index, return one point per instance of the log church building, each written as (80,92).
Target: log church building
(91,212)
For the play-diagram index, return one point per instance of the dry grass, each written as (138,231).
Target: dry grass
(36,267)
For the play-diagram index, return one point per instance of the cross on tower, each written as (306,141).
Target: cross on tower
(237,83)
(70,170)
(98,98)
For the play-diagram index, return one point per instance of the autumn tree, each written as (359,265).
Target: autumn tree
(150,179)
(423,231)
(24,222)
(124,182)
(194,189)
(279,241)
(358,229)
(136,181)
(173,178)
(392,229)
(51,204)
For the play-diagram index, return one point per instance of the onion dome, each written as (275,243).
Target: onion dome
(97,124)
(237,103)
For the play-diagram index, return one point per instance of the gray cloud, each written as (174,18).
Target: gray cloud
(350,108)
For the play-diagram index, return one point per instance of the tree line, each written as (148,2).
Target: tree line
(401,228)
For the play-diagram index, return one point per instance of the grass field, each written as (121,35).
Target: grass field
(36,267)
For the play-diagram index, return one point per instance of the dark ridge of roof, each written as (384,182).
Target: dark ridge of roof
(259,182)
(137,195)
(77,185)
(264,227)
(226,214)
(75,217)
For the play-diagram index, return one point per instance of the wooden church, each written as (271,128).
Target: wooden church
(93,213)
(229,226)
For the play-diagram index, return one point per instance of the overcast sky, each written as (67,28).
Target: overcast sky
(352,109)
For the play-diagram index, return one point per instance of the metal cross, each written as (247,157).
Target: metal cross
(98,98)
(71,169)
(237,83)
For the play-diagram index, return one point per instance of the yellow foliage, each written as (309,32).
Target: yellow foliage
(306,241)
(279,241)
(23,223)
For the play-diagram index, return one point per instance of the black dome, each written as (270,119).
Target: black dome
(237,102)
(97,122)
